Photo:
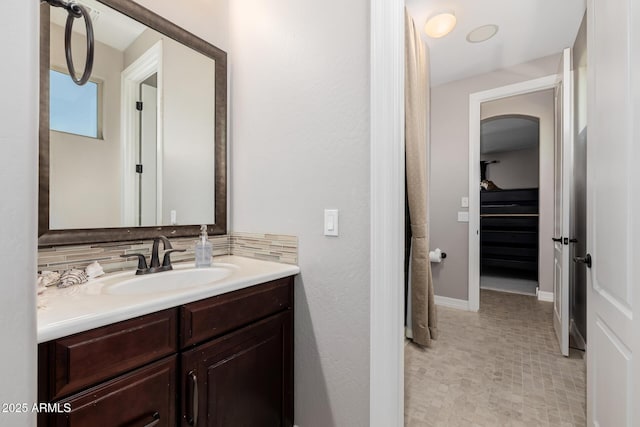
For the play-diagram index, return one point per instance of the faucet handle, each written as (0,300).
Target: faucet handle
(142,262)
(166,261)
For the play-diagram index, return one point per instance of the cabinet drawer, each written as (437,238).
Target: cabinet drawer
(145,397)
(214,316)
(75,362)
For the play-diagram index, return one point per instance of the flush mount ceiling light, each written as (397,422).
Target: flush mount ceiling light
(482,33)
(440,24)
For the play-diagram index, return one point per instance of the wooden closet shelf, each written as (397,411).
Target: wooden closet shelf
(509,231)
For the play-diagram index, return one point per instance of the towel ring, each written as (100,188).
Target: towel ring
(74,11)
(77,11)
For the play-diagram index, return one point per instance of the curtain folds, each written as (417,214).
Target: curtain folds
(423,312)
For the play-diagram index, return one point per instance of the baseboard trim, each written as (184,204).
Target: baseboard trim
(458,304)
(408,332)
(573,331)
(545,296)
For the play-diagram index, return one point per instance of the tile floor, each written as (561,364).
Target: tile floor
(498,367)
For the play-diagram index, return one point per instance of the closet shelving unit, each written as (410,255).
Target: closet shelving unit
(509,232)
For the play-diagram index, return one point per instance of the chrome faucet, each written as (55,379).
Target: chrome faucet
(155,266)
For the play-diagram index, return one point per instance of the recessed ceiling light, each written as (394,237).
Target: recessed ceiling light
(482,33)
(440,24)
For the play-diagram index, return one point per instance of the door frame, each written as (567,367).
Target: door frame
(387,191)
(475,101)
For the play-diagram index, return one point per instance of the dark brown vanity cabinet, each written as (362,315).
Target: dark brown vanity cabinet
(243,379)
(222,361)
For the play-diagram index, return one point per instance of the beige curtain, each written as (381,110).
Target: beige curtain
(416,101)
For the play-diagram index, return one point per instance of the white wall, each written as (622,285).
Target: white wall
(189,136)
(450,167)
(541,105)
(516,169)
(140,45)
(85,172)
(300,143)
(19,76)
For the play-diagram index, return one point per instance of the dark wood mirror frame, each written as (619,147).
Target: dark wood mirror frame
(47,237)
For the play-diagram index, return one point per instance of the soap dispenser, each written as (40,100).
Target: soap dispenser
(203,249)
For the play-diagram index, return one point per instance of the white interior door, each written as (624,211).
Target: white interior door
(613,213)
(562,180)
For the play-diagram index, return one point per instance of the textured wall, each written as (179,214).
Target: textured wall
(450,166)
(541,105)
(18,210)
(299,144)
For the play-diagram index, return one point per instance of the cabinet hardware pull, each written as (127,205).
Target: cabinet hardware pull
(193,420)
(156,420)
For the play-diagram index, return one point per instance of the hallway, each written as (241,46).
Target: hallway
(498,367)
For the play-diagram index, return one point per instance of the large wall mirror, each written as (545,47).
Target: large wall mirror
(140,149)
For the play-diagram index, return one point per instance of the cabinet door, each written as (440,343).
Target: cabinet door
(144,397)
(244,379)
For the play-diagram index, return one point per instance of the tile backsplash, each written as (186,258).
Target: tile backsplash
(270,247)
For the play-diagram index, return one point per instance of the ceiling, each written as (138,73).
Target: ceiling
(109,27)
(529,29)
(509,133)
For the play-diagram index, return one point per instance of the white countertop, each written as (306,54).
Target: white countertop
(78,308)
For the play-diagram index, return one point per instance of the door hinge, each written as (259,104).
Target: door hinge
(138,168)
(139,105)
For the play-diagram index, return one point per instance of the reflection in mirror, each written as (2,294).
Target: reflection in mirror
(136,145)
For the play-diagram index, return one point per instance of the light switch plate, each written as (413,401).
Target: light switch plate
(464,202)
(463,216)
(331,222)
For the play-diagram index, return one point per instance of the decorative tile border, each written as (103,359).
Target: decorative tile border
(269,247)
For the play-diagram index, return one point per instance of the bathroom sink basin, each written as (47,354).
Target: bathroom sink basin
(168,281)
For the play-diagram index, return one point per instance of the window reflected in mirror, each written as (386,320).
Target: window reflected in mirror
(74,109)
